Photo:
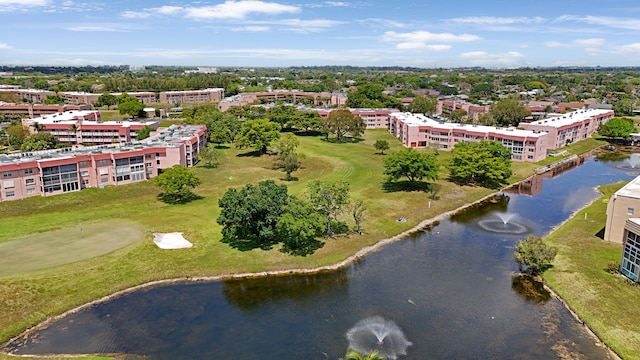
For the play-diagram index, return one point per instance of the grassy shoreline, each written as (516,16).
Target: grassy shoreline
(29,298)
(603,301)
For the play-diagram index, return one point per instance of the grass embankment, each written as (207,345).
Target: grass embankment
(602,300)
(28,298)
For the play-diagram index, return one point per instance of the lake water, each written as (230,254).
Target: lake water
(449,289)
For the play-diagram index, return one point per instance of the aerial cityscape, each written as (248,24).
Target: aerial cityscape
(322,180)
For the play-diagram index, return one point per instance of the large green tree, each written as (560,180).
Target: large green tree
(412,164)
(328,198)
(177,183)
(485,163)
(508,112)
(209,155)
(249,216)
(299,227)
(423,105)
(533,255)
(258,134)
(617,128)
(54,99)
(107,100)
(287,155)
(40,141)
(131,108)
(342,122)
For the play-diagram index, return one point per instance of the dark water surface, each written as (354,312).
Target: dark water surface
(450,289)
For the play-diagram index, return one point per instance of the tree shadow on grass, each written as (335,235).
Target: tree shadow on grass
(254,153)
(222,147)
(395,186)
(344,140)
(600,234)
(308,133)
(305,249)
(172,199)
(248,244)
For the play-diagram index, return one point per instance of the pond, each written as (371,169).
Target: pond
(445,292)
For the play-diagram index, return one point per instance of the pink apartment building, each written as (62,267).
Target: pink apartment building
(420,131)
(53,172)
(192,96)
(568,128)
(318,99)
(445,107)
(85,127)
(373,118)
(37,110)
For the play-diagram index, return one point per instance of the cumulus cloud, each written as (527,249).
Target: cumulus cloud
(482,58)
(25,2)
(583,43)
(492,20)
(613,22)
(629,49)
(238,10)
(228,10)
(251,28)
(5,46)
(422,47)
(426,36)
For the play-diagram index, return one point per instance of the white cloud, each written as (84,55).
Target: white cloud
(618,23)
(381,22)
(425,36)
(238,10)
(25,2)
(583,43)
(594,42)
(168,10)
(422,47)
(101,28)
(482,58)
(136,14)
(629,49)
(492,20)
(252,28)
(5,46)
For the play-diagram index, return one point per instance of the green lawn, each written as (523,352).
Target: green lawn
(28,298)
(603,300)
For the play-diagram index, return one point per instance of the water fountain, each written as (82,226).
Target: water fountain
(376,333)
(503,224)
(632,163)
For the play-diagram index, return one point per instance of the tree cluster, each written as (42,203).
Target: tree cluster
(533,255)
(263,215)
(485,163)
(617,127)
(341,123)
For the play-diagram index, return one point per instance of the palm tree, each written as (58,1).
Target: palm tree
(354,355)
(37,127)
(74,129)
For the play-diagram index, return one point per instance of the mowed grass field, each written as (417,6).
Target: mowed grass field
(29,297)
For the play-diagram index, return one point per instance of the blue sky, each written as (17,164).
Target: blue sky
(454,33)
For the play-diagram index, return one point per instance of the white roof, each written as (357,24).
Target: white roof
(412,119)
(631,190)
(570,118)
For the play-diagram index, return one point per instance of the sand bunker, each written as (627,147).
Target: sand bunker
(171,240)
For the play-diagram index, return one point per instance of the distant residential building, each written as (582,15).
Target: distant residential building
(373,118)
(86,127)
(37,110)
(420,131)
(145,97)
(52,172)
(79,98)
(322,99)
(446,107)
(571,127)
(192,96)
(34,96)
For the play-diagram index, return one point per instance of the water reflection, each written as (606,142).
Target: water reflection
(449,288)
(530,289)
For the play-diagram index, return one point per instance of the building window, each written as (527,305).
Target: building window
(9,184)
(83,164)
(31,190)
(29,181)
(104,180)
(631,256)
(84,173)
(6,174)
(629,211)
(148,164)
(10,194)
(102,162)
(28,171)
(85,182)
